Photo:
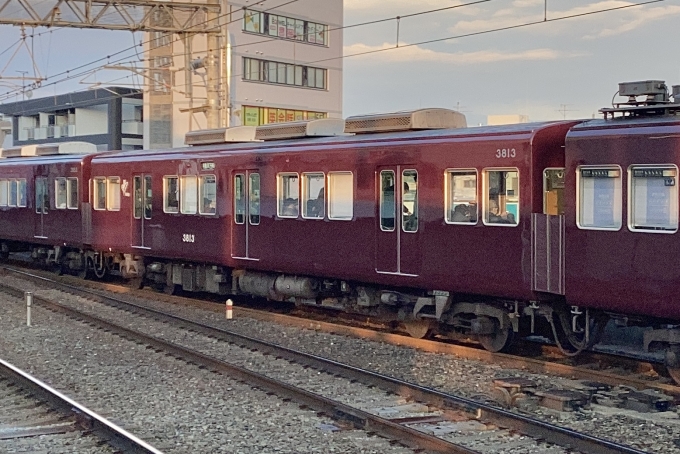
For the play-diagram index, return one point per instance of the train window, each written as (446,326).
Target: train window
(60,193)
(13,192)
(313,195)
(340,195)
(72,193)
(208,194)
(288,195)
(189,194)
(113,194)
(653,199)
(501,204)
(409,200)
(100,193)
(387,200)
(461,196)
(171,194)
(598,198)
(239,199)
(254,197)
(553,191)
(148,197)
(3,193)
(21,193)
(42,195)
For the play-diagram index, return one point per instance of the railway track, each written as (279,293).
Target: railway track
(37,418)
(413,415)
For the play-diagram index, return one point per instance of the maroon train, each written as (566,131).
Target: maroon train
(476,232)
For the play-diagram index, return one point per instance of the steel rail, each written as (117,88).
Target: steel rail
(337,410)
(86,418)
(531,427)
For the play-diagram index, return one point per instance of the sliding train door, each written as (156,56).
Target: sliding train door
(246,217)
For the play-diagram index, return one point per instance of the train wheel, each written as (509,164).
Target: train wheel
(137,283)
(418,328)
(673,363)
(500,340)
(86,272)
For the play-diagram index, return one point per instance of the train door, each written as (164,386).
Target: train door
(548,235)
(42,204)
(141,210)
(246,217)
(397,250)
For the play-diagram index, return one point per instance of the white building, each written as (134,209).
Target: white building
(282,64)
(492,120)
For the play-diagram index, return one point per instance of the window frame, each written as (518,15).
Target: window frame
(111,197)
(166,198)
(22,191)
(447,194)
(12,183)
(329,195)
(57,205)
(305,197)
(485,195)
(415,202)
(279,190)
(381,199)
(4,197)
(674,203)
(619,202)
(251,198)
(95,193)
(201,195)
(183,192)
(70,181)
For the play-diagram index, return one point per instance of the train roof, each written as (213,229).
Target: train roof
(626,125)
(482,132)
(37,160)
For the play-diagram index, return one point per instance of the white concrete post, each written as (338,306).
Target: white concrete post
(29,302)
(230,311)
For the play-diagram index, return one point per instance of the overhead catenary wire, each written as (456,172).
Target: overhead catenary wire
(481,32)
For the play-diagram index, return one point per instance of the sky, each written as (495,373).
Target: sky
(554,69)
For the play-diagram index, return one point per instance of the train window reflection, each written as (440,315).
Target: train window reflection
(599,198)
(387,200)
(461,196)
(13,192)
(189,194)
(288,195)
(340,195)
(171,194)
(3,193)
(72,194)
(239,199)
(113,194)
(502,197)
(21,196)
(208,194)
(409,200)
(254,198)
(100,193)
(148,197)
(653,205)
(60,193)
(138,192)
(313,195)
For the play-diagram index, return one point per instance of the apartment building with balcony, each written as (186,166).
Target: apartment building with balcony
(282,63)
(111,118)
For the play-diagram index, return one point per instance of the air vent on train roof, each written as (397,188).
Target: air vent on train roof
(404,121)
(47,149)
(221,135)
(324,127)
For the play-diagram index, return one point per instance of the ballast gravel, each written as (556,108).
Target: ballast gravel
(464,377)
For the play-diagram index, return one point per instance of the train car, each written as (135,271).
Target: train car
(434,227)
(43,189)
(622,225)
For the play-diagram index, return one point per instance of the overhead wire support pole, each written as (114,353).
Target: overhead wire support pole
(130,15)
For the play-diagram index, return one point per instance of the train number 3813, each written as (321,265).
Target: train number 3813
(506,153)
(188,238)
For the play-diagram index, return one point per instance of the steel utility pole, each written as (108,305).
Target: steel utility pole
(136,16)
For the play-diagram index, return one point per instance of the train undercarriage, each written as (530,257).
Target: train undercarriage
(491,322)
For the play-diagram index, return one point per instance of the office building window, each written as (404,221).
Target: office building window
(284,73)
(285,27)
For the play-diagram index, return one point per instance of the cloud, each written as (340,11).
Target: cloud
(419,54)
(628,19)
